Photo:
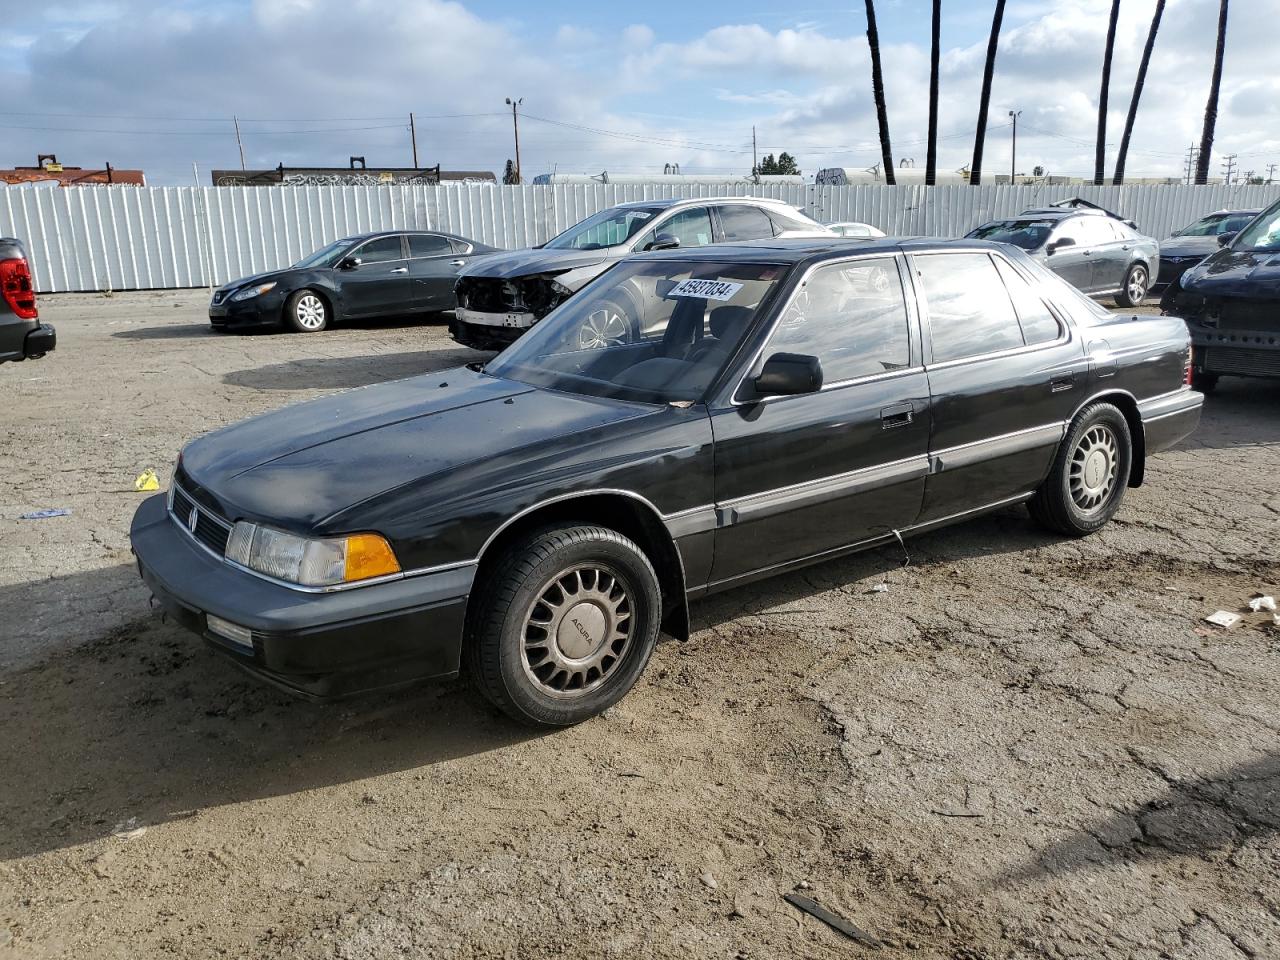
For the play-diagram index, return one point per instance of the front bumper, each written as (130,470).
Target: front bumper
(321,645)
(259,311)
(1171,271)
(483,336)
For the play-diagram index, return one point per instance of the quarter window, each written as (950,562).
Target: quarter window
(381,250)
(1039,325)
(851,316)
(428,245)
(743,222)
(970,312)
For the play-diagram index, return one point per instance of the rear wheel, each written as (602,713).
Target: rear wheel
(1204,382)
(1136,282)
(1089,473)
(564,625)
(306,312)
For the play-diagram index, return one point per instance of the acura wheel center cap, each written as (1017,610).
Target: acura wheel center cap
(1095,469)
(581,631)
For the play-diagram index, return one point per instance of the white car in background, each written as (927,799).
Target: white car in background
(855,230)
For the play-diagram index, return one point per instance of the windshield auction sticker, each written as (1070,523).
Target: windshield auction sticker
(709,289)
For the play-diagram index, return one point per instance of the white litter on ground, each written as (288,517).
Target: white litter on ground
(1223,618)
(1258,604)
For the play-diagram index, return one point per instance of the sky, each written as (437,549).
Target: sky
(624,88)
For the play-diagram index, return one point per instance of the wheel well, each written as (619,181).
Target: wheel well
(626,515)
(320,292)
(1129,407)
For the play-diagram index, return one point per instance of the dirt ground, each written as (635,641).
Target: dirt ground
(1027,747)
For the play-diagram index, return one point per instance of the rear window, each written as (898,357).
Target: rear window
(1027,234)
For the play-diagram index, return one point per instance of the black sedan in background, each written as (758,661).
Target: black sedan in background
(1094,250)
(1182,251)
(391,273)
(543,516)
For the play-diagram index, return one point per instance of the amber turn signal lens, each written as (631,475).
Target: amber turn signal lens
(368,555)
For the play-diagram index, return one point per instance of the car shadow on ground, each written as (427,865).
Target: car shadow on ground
(1240,412)
(336,373)
(1195,817)
(146,722)
(170,331)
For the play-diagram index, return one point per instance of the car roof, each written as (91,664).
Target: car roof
(805,249)
(374,234)
(663,203)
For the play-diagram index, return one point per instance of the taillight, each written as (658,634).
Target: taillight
(1188,364)
(16,288)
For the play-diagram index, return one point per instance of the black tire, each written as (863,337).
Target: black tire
(529,671)
(306,312)
(1065,502)
(1137,284)
(1204,382)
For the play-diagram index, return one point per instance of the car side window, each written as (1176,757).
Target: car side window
(380,250)
(743,222)
(1039,325)
(428,245)
(1093,230)
(461,246)
(691,227)
(970,312)
(851,316)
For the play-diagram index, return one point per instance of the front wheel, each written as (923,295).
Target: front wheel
(1089,473)
(1136,281)
(306,312)
(564,625)
(608,325)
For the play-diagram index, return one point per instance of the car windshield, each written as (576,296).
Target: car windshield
(1263,233)
(608,228)
(327,256)
(652,331)
(1215,224)
(1027,234)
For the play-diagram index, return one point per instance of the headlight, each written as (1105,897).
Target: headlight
(249,293)
(311,563)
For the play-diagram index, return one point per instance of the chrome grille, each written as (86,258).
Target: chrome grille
(199,521)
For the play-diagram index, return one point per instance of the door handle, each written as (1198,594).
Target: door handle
(457,263)
(1087,253)
(400,270)
(1065,382)
(1126,246)
(897,416)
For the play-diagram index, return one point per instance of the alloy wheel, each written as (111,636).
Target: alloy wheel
(1094,464)
(1137,286)
(604,327)
(310,312)
(577,631)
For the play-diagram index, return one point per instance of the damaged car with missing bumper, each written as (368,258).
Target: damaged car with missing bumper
(1231,302)
(539,519)
(502,296)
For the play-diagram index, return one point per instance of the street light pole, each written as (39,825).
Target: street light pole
(515,125)
(1013,161)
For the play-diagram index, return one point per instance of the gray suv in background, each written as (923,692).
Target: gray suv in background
(22,335)
(1092,249)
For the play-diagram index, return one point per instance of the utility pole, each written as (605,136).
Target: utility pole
(515,124)
(1189,165)
(755,165)
(239,142)
(1228,167)
(1013,160)
(1271,172)
(413,139)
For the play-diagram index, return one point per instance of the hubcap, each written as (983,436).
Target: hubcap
(1137,285)
(1093,468)
(310,312)
(604,327)
(577,631)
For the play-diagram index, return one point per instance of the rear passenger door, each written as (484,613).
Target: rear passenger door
(1005,374)
(800,476)
(433,270)
(741,221)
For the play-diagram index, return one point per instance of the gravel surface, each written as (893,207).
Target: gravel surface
(1026,747)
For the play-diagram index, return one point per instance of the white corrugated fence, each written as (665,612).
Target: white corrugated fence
(144,238)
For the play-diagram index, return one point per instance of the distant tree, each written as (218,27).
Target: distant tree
(993,41)
(1211,108)
(1137,92)
(877,91)
(785,165)
(1037,171)
(509,175)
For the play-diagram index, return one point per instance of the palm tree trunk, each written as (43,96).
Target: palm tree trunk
(931,156)
(980,138)
(1100,152)
(1211,108)
(877,91)
(1137,93)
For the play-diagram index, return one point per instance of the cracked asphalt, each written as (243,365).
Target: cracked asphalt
(1026,747)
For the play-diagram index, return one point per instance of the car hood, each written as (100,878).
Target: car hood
(256,278)
(1240,273)
(298,467)
(524,263)
(1188,246)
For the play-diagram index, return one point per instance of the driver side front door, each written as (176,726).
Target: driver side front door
(380,284)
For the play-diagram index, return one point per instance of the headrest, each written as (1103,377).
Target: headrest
(728,320)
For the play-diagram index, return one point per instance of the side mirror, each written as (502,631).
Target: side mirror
(786,374)
(663,241)
(1224,239)
(349,263)
(1058,244)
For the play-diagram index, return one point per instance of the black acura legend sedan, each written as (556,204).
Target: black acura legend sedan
(542,517)
(385,274)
